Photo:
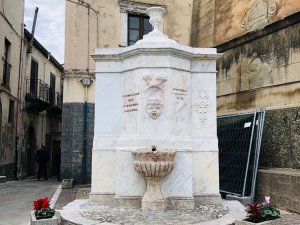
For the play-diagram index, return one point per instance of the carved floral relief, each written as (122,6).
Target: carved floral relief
(201,105)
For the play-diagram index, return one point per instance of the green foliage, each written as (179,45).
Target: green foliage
(44,213)
(260,212)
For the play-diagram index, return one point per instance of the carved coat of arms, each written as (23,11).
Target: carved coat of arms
(258,15)
(155,95)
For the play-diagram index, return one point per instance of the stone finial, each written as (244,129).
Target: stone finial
(156,15)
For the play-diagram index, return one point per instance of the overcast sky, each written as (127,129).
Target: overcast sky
(50,25)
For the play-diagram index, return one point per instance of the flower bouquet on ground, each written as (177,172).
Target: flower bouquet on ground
(262,213)
(42,209)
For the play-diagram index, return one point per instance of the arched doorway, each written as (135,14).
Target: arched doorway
(30,152)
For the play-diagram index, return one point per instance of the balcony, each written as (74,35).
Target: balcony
(37,95)
(40,96)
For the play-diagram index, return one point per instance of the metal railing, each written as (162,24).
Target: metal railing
(37,89)
(240,138)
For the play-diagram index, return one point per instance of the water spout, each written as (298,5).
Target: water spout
(153,147)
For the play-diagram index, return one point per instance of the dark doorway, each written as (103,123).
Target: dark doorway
(55,158)
(30,152)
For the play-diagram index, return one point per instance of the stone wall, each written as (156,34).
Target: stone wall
(281,139)
(282,185)
(202,28)
(260,68)
(72,141)
(237,17)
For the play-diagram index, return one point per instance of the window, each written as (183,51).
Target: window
(52,89)
(34,77)
(129,9)
(138,26)
(6,64)
(11,111)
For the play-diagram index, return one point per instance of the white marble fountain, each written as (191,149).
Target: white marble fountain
(156,92)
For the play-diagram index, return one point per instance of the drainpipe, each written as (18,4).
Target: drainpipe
(33,30)
(19,95)
(86,82)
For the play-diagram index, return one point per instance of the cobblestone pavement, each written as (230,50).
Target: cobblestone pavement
(82,192)
(16,199)
(109,212)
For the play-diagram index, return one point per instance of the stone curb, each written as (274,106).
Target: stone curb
(55,196)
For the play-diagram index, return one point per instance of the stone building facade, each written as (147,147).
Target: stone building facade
(260,43)
(30,97)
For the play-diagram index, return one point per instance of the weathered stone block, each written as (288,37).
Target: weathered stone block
(244,200)
(207,42)
(207,31)
(208,19)
(180,203)
(67,183)
(228,86)
(55,220)
(209,7)
(2,179)
(283,185)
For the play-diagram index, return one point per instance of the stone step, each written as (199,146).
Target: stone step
(2,179)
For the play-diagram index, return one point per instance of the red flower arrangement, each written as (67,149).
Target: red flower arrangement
(42,209)
(259,212)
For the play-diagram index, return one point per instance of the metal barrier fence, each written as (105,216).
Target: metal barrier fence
(239,147)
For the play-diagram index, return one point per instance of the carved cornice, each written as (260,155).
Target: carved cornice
(77,73)
(136,7)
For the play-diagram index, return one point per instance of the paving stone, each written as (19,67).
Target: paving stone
(110,212)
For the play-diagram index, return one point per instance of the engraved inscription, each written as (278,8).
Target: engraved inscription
(181,100)
(130,103)
(179,93)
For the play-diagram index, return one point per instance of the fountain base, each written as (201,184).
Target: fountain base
(84,212)
(153,199)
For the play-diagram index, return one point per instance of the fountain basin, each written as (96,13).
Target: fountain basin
(153,166)
(153,163)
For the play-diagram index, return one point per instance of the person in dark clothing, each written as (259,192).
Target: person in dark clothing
(42,157)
